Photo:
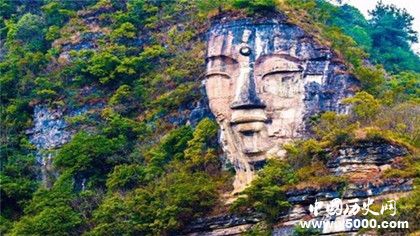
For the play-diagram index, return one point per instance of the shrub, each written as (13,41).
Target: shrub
(161,208)
(334,128)
(124,33)
(171,147)
(364,106)
(372,79)
(52,221)
(49,212)
(101,66)
(126,177)
(89,155)
(267,193)
(253,6)
(405,86)
(402,120)
(201,151)
(302,153)
(30,30)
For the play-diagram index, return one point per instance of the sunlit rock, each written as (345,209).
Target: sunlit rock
(265,79)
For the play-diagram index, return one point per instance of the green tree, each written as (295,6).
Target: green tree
(89,155)
(160,208)
(352,22)
(124,33)
(171,147)
(405,86)
(50,212)
(365,107)
(101,66)
(392,32)
(372,79)
(201,152)
(253,6)
(30,31)
(55,14)
(126,177)
(334,128)
(267,193)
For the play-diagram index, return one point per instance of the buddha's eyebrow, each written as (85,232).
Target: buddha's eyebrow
(221,57)
(261,59)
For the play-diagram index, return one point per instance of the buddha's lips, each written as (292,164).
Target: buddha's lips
(248,116)
(248,119)
(250,126)
(253,151)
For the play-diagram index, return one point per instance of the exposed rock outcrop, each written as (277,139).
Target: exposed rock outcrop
(265,79)
(229,224)
(364,159)
(49,133)
(377,154)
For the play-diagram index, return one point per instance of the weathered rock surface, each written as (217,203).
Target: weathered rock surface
(229,224)
(50,132)
(265,79)
(49,128)
(364,159)
(356,191)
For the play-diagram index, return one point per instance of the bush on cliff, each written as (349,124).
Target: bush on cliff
(267,193)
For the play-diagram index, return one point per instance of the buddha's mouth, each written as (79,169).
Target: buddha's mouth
(253,151)
(250,127)
(251,141)
(248,116)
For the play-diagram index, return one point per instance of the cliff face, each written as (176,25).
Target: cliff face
(265,79)
(50,131)
(365,182)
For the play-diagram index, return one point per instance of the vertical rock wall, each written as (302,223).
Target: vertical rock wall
(48,133)
(265,79)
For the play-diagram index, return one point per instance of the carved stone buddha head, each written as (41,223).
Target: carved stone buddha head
(258,81)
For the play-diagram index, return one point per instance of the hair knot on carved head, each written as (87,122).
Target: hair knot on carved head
(246,51)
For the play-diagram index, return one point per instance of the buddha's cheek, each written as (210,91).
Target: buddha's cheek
(286,123)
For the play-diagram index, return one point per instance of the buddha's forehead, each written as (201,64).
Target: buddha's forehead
(264,38)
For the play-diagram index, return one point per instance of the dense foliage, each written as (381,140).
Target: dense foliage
(129,168)
(386,36)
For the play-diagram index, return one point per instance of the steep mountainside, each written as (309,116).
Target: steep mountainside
(122,117)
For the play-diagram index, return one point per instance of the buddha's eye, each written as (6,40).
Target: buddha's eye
(281,84)
(217,74)
(287,79)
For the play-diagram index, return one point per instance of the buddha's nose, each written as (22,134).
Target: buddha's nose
(246,96)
